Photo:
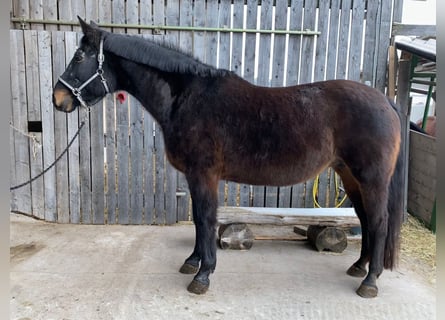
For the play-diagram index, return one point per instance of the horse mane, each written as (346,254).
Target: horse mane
(162,57)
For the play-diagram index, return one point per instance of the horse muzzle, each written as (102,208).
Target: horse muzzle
(63,100)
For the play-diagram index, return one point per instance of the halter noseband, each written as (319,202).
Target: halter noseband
(77,92)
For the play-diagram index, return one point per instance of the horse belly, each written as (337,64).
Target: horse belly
(290,170)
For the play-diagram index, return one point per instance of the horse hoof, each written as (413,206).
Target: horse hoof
(197,287)
(188,268)
(366,291)
(355,271)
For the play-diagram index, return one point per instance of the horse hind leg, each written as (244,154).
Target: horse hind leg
(375,199)
(370,198)
(358,268)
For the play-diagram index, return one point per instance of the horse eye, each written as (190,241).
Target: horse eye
(79,56)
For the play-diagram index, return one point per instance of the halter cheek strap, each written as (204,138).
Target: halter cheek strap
(77,92)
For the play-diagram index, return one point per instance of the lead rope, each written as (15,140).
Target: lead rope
(55,161)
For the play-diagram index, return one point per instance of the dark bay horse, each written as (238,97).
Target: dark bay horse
(219,126)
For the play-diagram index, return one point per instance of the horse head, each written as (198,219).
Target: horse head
(87,79)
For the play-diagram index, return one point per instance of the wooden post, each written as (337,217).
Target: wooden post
(403,87)
(327,238)
(235,236)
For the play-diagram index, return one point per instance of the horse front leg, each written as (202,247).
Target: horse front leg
(203,190)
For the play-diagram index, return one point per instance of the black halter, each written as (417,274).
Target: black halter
(77,92)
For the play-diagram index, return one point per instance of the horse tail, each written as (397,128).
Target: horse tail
(395,210)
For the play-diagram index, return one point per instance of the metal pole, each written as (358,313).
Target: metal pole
(24,21)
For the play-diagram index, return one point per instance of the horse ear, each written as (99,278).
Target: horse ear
(94,24)
(91,31)
(85,27)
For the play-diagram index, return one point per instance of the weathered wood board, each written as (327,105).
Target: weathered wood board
(344,217)
(422,175)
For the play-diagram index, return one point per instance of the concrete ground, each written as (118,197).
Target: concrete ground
(131,272)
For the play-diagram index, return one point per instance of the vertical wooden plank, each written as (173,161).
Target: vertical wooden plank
(20,198)
(136,135)
(149,167)
(111,168)
(132,14)
(322,41)
(97,162)
(159,177)
(333,40)
(34,114)
(170,193)
(13,205)
(123,162)
(78,9)
(122,135)
(21,8)
(136,172)
(358,15)
(44,97)
(279,48)
(232,193)
(265,43)
(85,168)
(32,75)
(50,13)
(224,37)
(298,195)
(36,12)
(60,132)
(118,14)
(237,38)
(145,14)
(160,165)
(222,193)
(65,13)
(383,44)
(104,11)
(370,47)
(308,42)
(343,42)
(73,152)
(110,173)
(185,19)
(92,11)
(250,41)
(403,103)
(199,20)
(212,37)
(172,19)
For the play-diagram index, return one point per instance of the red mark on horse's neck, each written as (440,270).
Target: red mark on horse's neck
(121,96)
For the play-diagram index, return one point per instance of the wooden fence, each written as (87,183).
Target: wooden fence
(116,171)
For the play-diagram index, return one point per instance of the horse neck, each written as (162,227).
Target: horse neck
(155,90)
